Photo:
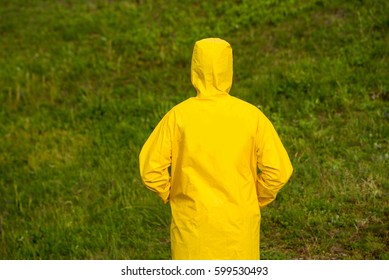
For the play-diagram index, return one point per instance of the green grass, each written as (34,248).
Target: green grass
(83,83)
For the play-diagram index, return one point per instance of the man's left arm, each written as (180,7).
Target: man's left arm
(155,158)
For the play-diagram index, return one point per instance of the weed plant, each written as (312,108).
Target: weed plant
(83,83)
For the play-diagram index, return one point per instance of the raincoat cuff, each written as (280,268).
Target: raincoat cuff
(164,196)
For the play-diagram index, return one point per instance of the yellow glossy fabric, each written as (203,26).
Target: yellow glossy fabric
(214,144)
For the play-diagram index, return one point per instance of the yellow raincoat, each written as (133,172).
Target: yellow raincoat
(214,144)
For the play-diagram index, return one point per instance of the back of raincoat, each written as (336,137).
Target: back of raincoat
(214,144)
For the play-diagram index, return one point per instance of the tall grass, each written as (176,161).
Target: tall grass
(83,83)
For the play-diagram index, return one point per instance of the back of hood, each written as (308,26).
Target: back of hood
(211,69)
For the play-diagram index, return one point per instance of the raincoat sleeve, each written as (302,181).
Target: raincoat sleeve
(273,162)
(155,158)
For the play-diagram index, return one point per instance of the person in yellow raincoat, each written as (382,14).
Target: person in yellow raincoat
(226,162)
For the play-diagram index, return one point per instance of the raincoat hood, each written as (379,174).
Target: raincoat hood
(211,69)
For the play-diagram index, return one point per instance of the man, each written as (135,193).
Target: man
(214,144)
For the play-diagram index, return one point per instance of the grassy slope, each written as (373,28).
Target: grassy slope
(82,84)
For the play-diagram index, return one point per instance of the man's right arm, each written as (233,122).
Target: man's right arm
(273,162)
